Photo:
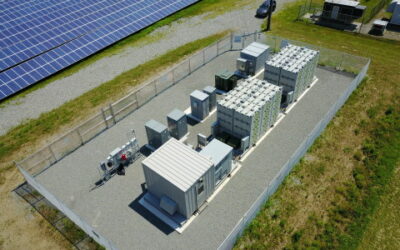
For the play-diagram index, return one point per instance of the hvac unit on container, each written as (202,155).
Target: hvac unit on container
(199,102)
(157,134)
(293,68)
(178,179)
(221,156)
(252,58)
(249,110)
(177,124)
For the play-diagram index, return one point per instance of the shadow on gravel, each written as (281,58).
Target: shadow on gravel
(135,205)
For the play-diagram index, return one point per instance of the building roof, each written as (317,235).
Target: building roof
(255,49)
(156,126)
(199,95)
(343,2)
(178,164)
(259,45)
(216,151)
(225,74)
(209,89)
(176,114)
(379,22)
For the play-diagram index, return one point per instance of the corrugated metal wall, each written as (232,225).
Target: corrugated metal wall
(186,201)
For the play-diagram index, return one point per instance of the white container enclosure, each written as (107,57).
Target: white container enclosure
(199,102)
(221,155)
(157,133)
(212,93)
(180,178)
(177,124)
(252,58)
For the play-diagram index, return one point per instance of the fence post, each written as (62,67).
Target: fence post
(217,48)
(137,100)
(155,87)
(299,13)
(104,117)
(231,40)
(80,136)
(204,56)
(52,153)
(112,113)
(362,23)
(190,68)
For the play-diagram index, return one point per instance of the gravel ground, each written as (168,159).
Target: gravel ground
(175,35)
(134,227)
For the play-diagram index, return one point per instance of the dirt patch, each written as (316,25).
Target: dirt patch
(23,227)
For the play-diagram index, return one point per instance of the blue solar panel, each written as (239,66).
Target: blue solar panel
(32,54)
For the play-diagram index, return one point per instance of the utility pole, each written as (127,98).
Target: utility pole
(269,16)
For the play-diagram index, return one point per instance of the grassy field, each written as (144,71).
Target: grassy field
(208,8)
(372,6)
(383,232)
(332,196)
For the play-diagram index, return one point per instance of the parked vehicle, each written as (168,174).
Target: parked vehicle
(263,10)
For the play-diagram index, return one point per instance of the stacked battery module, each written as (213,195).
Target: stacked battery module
(250,109)
(293,68)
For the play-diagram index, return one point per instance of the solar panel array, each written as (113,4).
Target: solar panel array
(39,38)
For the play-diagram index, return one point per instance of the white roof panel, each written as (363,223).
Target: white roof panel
(216,150)
(178,164)
(344,2)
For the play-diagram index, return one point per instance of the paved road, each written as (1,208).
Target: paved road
(113,209)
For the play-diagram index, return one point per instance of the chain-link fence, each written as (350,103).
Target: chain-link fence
(113,113)
(110,115)
(230,240)
(78,238)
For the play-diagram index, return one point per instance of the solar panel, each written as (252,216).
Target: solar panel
(78,29)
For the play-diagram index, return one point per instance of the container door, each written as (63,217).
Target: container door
(200,192)
(335,12)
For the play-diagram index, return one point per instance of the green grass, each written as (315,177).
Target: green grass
(328,199)
(209,7)
(32,132)
(383,231)
(72,232)
(372,6)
